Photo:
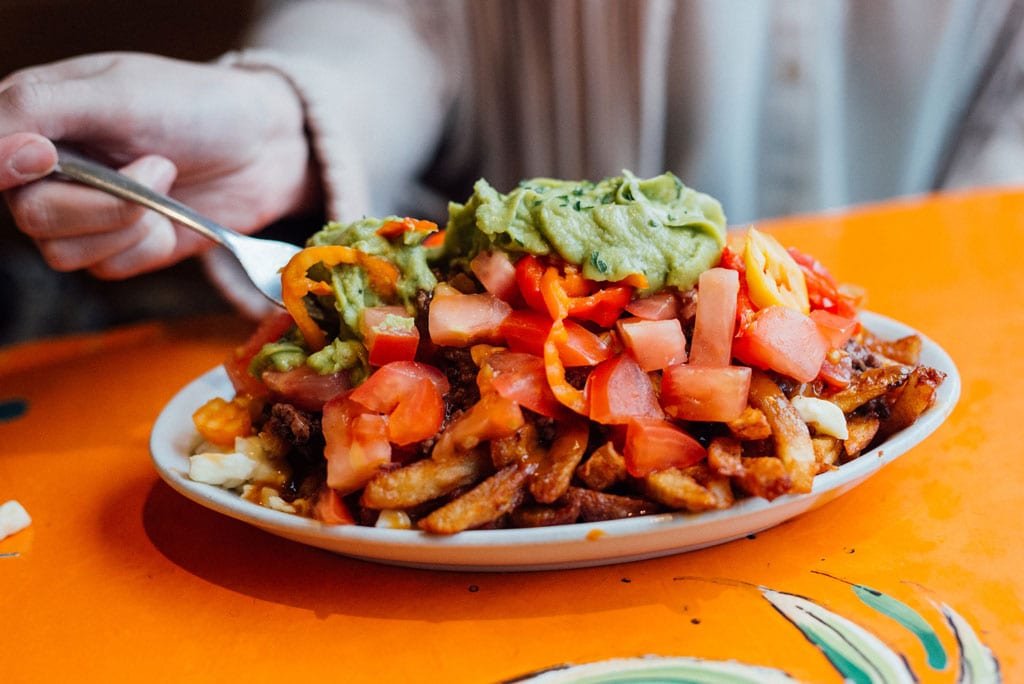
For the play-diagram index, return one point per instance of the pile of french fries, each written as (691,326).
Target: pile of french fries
(519,478)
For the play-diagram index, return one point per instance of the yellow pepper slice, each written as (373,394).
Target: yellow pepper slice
(773,277)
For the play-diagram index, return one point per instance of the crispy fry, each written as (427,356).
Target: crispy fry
(725,456)
(751,425)
(564,512)
(914,399)
(827,451)
(551,481)
(521,446)
(869,385)
(603,469)
(693,489)
(426,479)
(494,497)
(862,430)
(595,506)
(764,476)
(790,435)
(906,350)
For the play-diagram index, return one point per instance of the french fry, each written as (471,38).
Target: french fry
(764,476)
(862,430)
(521,446)
(565,512)
(827,450)
(692,489)
(751,425)
(426,479)
(906,350)
(596,506)
(603,469)
(914,399)
(725,456)
(556,467)
(499,494)
(790,435)
(869,385)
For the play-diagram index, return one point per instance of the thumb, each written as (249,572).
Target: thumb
(25,157)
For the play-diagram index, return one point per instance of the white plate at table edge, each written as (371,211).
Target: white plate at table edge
(545,548)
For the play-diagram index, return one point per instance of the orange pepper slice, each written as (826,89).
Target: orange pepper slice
(557,302)
(406,225)
(295,284)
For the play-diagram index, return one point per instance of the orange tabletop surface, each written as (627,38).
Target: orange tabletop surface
(916,573)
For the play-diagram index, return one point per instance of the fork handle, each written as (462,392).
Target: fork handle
(75,166)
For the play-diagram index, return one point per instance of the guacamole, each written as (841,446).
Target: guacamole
(611,229)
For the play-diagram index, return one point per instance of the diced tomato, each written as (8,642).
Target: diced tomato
(304,387)
(389,333)
(271,329)
(654,344)
(837,370)
(525,330)
(822,289)
(618,390)
(655,307)
(330,508)
(653,444)
(356,444)
(783,340)
(410,394)
(521,378)
(496,273)
(717,290)
(836,329)
(705,393)
(460,320)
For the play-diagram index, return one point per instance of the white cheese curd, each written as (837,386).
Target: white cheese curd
(394,520)
(824,416)
(228,470)
(13,518)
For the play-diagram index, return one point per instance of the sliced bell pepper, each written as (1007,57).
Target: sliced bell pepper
(295,284)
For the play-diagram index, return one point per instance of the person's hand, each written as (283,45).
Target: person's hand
(229,142)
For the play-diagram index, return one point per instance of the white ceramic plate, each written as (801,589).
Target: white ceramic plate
(563,546)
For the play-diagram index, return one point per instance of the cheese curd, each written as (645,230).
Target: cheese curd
(824,416)
(13,518)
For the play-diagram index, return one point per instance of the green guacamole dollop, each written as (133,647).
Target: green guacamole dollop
(611,229)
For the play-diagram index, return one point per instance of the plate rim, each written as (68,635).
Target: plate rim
(563,546)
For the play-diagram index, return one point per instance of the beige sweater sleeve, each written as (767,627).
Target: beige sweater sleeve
(372,90)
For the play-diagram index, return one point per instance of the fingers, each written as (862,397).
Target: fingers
(77,227)
(25,157)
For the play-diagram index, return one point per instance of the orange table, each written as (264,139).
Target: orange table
(121,579)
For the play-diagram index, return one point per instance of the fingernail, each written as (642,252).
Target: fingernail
(32,159)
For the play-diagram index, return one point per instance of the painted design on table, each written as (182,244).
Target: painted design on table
(12,409)
(856,654)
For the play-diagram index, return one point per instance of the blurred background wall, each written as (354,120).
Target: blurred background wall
(34,300)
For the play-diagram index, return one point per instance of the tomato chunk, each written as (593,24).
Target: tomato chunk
(521,378)
(653,445)
(459,320)
(410,395)
(703,393)
(496,273)
(654,344)
(389,333)
(784,340)
(655,307)
(717,290)
(355,444)
(618,389)
(526,330)
(304,387)
(836,329)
